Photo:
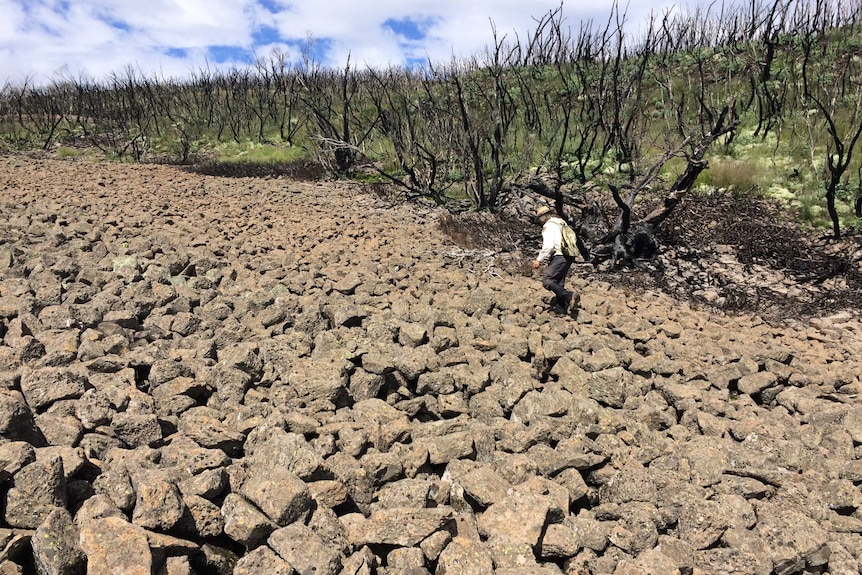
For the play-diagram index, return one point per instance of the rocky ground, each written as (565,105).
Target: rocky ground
(255,375)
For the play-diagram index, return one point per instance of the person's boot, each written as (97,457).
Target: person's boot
(562,308)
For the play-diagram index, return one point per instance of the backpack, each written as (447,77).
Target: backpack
(569,245)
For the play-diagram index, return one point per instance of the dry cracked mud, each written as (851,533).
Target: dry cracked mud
(257,375)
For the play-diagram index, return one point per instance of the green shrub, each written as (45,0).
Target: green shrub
(739,176)
(253,153)
(67,152)
(811,208)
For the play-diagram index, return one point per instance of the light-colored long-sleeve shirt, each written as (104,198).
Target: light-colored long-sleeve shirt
(552,239)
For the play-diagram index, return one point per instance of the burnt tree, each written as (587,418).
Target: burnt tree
(628,241)
(624,241)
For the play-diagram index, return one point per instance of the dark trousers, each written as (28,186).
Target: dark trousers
(554,278)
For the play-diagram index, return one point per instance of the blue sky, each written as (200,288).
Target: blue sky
(47,40)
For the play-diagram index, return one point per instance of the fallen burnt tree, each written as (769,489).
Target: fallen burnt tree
(623,241)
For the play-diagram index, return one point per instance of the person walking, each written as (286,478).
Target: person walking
(554,274)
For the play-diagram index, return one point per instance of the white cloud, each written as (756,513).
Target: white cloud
(42,38)
(189,23)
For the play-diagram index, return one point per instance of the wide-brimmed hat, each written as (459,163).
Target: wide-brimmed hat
(543,210)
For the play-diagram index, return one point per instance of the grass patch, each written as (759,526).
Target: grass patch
(736,176)
(252,160)
(755,174)
(253,153)
(68,152)
(810,207)
(370,177)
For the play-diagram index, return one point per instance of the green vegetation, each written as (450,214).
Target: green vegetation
(250,152)
(67,152)
(778,80)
